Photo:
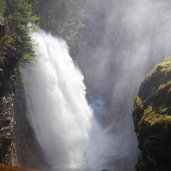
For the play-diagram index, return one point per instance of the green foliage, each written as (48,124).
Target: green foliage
(2,7)
(150,117)
(17,14)
(164,110)
(72,20)
(62,18)
(15,42)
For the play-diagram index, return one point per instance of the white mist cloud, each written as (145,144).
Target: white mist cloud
(124,39)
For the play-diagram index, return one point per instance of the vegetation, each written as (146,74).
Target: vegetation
(61,18)
(164,110)
(17,14)
(154,95)
(2,7)
(15,47)
(151,117)
(15,42)
(139,103)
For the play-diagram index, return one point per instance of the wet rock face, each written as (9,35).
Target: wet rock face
(7,147)
(152,119)
(7,79)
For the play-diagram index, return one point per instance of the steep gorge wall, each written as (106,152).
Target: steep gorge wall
(8,62)
(7,146)
(15,48)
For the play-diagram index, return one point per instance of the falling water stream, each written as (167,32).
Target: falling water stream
(58,110)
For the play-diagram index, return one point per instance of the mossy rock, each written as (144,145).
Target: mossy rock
(152,119)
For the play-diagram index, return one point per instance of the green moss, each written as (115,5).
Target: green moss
(165,63)
(164,86)
(159,82)
(139,103)
(164,110)
(150,117)
(163,67)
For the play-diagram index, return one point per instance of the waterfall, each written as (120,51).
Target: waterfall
(58,111)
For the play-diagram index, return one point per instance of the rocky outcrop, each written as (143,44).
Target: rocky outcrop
(18,146)
(7,146)
(7,80)
(152,119)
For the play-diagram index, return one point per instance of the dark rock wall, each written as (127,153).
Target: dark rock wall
(7,146)
(18,146)
(7,80)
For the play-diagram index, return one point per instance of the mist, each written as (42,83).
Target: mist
(120,31)
(122,41)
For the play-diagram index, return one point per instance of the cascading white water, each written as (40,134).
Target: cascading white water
(58,110)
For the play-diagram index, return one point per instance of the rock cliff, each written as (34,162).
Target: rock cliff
(152,119)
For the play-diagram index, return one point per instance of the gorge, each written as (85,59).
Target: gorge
(74,100)
(58,110)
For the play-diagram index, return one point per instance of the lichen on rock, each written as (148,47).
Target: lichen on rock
(152,119)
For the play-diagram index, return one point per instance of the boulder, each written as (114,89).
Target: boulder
(152,119)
